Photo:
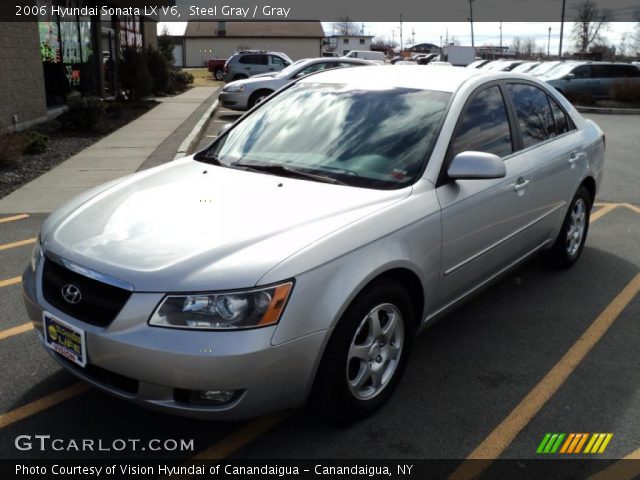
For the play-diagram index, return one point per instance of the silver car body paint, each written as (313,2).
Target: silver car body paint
(176,228)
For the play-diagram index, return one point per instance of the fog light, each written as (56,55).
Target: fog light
(206,397)
(216,397)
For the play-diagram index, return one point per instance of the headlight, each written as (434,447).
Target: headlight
(225,310)
(234,88)
(35,254)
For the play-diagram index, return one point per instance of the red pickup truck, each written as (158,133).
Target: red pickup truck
(216,67)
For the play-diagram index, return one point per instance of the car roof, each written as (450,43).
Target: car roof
(423,77)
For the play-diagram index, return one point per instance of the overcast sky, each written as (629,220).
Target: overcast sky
(484,32)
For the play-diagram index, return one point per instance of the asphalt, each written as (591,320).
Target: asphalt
(465,376)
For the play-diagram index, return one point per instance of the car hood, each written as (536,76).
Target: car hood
(190,226)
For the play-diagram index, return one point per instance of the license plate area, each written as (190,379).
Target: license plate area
(65,339)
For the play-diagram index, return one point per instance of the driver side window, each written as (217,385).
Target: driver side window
(484,126)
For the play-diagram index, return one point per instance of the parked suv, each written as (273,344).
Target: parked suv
(593,79)
(248,63)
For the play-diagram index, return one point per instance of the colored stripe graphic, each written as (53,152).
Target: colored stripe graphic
(550,443)
(573,443)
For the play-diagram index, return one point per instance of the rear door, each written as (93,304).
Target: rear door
(551,151)
(276,63)
(253,63)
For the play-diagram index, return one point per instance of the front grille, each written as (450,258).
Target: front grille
(99,304)
(104,377)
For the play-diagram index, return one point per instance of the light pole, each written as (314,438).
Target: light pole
(561,30)
(471,20)
(549,42)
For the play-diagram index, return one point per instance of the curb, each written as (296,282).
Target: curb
(190,142)
(609,111)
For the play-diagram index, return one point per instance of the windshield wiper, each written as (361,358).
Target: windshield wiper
(286,171)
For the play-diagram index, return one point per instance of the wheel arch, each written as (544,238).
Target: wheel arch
(590,184)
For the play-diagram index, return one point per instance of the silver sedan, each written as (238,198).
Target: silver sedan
(298,256)
(244,94)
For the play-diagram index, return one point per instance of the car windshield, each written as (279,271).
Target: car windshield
(373,138)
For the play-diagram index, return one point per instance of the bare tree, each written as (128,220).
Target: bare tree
(345,27)
(590,21)
(453,40)
(516,46)
(529,47)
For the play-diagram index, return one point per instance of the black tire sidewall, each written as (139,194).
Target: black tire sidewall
(331,391)
(558,255)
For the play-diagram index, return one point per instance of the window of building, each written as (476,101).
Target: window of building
(362,41)
(533,112)
(484,126)
(345,41)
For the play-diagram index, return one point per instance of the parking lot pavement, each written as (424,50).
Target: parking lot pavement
(222,117)
(540,351)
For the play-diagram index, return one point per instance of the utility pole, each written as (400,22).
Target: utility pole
(413,36)
(401,45)
(561,30)
(501,35)
(471,20)
(549,43)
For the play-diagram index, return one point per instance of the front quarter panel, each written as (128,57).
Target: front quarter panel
(321,294)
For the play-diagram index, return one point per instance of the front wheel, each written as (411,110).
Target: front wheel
(258,97)
(219,74)
(366,354)
(570,242)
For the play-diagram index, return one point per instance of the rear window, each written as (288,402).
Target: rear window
(533,112)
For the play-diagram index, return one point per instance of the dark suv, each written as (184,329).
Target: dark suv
(248,63)
(595,79)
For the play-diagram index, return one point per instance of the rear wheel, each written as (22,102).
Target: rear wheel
(366,354)
(570,242)
(258,97)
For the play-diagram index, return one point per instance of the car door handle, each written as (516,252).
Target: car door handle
(520,184)
(575,156)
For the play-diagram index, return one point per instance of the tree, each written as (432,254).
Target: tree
(516,46)
(529,47)
(165,45)
(590,21)
(345,27)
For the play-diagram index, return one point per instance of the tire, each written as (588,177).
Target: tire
(219,74)
(570,241)
(346,388)
(257,97)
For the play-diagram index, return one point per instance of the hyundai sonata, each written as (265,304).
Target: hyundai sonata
(300,253)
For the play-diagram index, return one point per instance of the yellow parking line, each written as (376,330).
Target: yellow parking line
(41,404)
(13,218)
(20,243)
(602,211)
(502,436)
(632,207)
(10,281)
(235,441)
(10,332)
(623,469)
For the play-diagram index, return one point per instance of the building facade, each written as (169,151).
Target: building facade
(343,44)
(49,59)
(204,41)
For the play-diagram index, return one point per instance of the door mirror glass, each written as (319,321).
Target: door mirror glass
(570,76)
(476,165)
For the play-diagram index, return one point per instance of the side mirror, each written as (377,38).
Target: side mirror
(570,76)
(476,165)
(224,128)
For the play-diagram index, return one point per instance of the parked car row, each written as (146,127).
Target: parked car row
(572,77)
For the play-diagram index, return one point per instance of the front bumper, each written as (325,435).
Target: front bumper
(148,365)
(234,100)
